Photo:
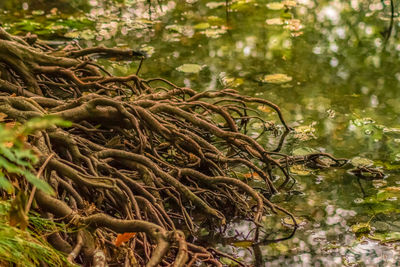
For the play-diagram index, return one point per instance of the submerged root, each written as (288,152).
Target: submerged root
(161,161)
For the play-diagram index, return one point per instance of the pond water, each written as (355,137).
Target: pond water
(331,66)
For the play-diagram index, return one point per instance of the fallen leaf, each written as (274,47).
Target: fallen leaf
(190,68)
(121,238)
(361,228)
(253,175)
(277,78)
(361,162)
(274,21)
(288,221)
(264,108)
(393,189)
(300,170)
(243,244)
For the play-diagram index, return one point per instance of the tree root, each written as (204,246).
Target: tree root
(138,158)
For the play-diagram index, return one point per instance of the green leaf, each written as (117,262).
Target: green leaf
(361,228)
(243,244)
(361,162)
(202,26)
(190,68)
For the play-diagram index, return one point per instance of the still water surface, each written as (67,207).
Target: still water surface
(335,75)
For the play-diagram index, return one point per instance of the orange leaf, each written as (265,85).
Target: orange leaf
(121,238)
(252,175)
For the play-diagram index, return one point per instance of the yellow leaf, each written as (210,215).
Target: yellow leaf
(2,116)
(277,78)
(264,108)
(243,244)
(252,175)
(393,189)
(299,170)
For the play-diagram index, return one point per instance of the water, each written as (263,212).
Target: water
(340,91)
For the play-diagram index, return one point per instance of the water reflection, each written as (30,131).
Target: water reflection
(343,96)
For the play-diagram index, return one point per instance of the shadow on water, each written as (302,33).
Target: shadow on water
(328,64)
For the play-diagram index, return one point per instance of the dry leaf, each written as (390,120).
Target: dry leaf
(121,238)
(2,116)
(264,108)
(252,175)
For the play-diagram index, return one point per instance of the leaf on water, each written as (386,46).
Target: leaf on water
(289,3)
(257,125)
(288,221)
(274,21)
(361,228)
(361,162)
(213,5)
(275,5)
(293,25)
(380,183)
(243,244)
(300,170)
(305,132)
(190,68)
(264,108)
(277,78)
(121,238)
(302,151)
(202,26)
(213,33)
(72,35)
(37,12)
(252,175)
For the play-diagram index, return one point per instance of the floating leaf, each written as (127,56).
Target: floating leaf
(392,189)
(361,228)
(361,162)
(300,170)
(301,151)
(281,5)
(275,5)
(214,33)
(264,108)
(277,78)
(274,21)
(288,221)
(121,238)
(212,5)
(190,68)
(243,244)
(202,26)
(294,25)
(379,183)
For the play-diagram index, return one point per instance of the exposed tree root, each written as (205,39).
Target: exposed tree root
(160,161)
